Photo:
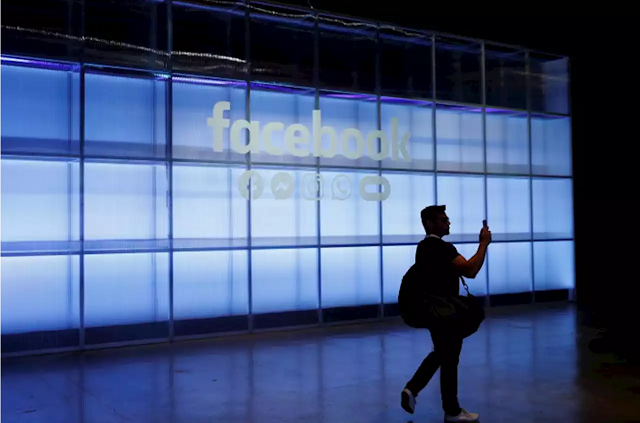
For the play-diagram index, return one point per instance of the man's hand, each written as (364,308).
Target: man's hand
(485,235)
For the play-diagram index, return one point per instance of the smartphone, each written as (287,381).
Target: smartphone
(484,222)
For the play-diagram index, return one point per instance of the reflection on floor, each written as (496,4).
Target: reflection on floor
(524,365)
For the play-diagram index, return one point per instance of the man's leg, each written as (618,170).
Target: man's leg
(423,375)
(449,349)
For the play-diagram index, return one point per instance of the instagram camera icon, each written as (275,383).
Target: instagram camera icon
(312,186)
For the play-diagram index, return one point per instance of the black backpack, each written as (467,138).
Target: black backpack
(419,309)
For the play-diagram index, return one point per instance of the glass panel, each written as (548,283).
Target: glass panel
(40,201)
(458,70)
(478,285)
(409,129)
(405,63)
(127,33)
(345,131)
(285,126)
(506,78)
(551,145)
(125,201)
(124,116)
(549,83)
(209,40)
(40,293)
(459,139)
(345,216)
(509,208)
(464,198)
(554,265)
(284,280)
(410,193)
(203,113)
(396,260)
(125,289)
(282,49)
(283,215)
(209,284)
(208,209)
(552,208)
(507,142)
(509,268)
(350,276)
(40,110)
(347,57)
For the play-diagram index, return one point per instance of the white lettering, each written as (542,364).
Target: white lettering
(218,123)
(241,147)
(297,137)
(291,139)
(266,137)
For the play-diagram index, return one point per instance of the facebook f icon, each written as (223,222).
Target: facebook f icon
(250,185)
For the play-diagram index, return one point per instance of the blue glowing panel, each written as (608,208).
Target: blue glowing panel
(414,129)
(410,193)
(351,121)
(125,201)
(464,198)
(509,268)
(209,284)
(345,216)
(124,116)
(282,215)
(554,265)
(552,208)
(40,110)
(478,285)
(40,201)
(507,143)
(125,289)
(207,203)
(509,208)
(40,293)
(285,127)
(350,276)
(284,280)
(194,125)
(459,140)
(396,260)
(551,145)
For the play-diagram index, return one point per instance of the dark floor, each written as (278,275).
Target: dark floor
(524,365)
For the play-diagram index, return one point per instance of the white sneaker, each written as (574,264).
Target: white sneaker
(408,401)
(464,416)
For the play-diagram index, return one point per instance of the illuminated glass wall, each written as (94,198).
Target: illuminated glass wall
(266,170)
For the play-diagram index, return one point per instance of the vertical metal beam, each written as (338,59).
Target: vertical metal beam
(574,292)
(81,202)
(483,84)
(316,84)
(247,108)
(378,71)
(530,145)
(433,119)
(169,156)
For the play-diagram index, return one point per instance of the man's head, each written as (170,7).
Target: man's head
(435,220)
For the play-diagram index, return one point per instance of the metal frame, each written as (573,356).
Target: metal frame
(169,160)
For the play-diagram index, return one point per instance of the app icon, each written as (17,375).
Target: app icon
(282,185)
(380,188)
(341,188)
(250,185)
(312,186)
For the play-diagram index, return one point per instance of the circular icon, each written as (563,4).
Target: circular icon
(341,188)
(282,185)
(312,186)
(250,185)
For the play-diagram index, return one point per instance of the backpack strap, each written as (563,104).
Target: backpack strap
(465,285)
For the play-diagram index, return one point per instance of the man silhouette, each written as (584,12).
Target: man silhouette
(443,266)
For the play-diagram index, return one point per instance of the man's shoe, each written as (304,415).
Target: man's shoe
(408,401)
(464,416)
